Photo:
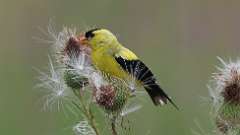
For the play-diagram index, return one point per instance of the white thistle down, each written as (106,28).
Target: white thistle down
(97,79)
(83,128)
(59,39)
(227,74)
(80,64)
(55,88)
(131,82)
(130,109)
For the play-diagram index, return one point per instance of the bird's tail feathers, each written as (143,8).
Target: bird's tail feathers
(158,96)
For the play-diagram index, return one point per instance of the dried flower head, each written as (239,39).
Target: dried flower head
(104,96)
(72,47)
(113,95)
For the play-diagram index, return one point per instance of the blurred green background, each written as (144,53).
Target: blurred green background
(179,40)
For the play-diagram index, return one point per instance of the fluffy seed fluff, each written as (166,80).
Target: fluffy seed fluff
(226,83)
(58,40)
(83,128)
(53,85)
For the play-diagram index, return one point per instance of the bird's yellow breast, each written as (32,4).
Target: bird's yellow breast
(106,63)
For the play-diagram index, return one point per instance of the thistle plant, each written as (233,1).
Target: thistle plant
(73,82)
(225,92)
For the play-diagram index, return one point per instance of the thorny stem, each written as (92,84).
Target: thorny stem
(87,112)
(113,125)
(92,121)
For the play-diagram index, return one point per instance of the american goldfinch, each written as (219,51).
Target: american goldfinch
(111,57)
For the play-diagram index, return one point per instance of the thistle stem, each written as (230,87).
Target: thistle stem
(87,112)
(113,125)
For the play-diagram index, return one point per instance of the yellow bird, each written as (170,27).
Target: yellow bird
(111,57)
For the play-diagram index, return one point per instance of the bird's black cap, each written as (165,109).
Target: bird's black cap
(90,34)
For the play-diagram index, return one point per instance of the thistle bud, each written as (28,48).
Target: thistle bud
(73,80)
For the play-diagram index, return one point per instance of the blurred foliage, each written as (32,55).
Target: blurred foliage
(179,40)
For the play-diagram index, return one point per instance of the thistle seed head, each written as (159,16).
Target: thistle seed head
(227,82)
(113,95)
(73,48)
(78,67)
(59,39)
(105,96)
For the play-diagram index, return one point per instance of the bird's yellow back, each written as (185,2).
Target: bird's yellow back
(105,61)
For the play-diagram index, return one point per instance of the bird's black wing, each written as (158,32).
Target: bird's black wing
(136,68)
(142,73)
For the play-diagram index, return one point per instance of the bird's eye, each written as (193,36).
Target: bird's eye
(90,34)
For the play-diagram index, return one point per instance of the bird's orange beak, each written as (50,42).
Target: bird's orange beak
(83,40)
